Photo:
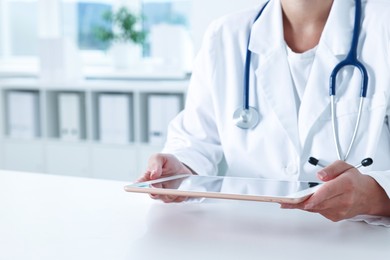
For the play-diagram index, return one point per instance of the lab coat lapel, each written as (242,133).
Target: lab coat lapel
(273,72)
(334,45)
(275,80)
(316,99)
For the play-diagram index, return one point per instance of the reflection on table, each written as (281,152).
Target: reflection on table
(52,217)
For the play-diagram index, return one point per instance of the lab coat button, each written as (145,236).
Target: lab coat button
(291,169)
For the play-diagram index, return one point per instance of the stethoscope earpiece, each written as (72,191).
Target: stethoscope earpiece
(365,162)
(246,118)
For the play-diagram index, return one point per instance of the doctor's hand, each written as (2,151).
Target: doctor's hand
(346,193)
(163,165)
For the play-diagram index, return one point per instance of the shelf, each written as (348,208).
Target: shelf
(155,73)
(143,73)
(138,84)
(109,126)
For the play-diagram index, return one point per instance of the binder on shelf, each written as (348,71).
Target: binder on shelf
(161,110)
(114,118)
(69,110)
(23,114)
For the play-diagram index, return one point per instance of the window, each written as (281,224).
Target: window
(22,22)
(19,36)
(155,12)
(171,12)
(90,15)
(79,19)
(81,16)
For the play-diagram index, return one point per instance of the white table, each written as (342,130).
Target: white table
(52,217)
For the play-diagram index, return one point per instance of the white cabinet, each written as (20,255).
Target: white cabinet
(68,159)
(94,111)
(23,155)
(114,162)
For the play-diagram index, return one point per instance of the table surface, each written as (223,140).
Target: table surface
(56,217)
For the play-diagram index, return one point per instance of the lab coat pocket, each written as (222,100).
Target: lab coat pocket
(347,115)
(349,107)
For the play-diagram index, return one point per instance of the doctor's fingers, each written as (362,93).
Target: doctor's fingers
(147,176)
(174,199)
(155,165)
(168,198)
(336,209)
(144,177)
(342,187)
(327,191)
(334,170)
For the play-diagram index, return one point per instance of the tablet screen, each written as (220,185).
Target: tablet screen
(229,185)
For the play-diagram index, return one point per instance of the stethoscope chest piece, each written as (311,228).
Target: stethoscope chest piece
(246,118)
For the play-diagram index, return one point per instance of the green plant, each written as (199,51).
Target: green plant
(121,26)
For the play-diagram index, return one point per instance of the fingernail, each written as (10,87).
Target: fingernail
(309,206)
(322,174)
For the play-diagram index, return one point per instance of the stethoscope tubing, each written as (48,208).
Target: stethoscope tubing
(335,133)
(248,59)
(350,60)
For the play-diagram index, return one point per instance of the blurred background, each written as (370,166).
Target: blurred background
(87,88)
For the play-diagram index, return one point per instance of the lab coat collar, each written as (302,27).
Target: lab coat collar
(337,34)
(267,32)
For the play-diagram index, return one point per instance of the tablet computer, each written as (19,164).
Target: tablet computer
(221,187)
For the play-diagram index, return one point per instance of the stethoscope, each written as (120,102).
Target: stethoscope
(247,117)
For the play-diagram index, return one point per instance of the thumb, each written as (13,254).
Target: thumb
(332,171)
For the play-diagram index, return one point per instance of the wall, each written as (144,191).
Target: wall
(205,11)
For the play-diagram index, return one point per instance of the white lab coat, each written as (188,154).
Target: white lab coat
(286,137)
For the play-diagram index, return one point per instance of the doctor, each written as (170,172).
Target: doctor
(294,45)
